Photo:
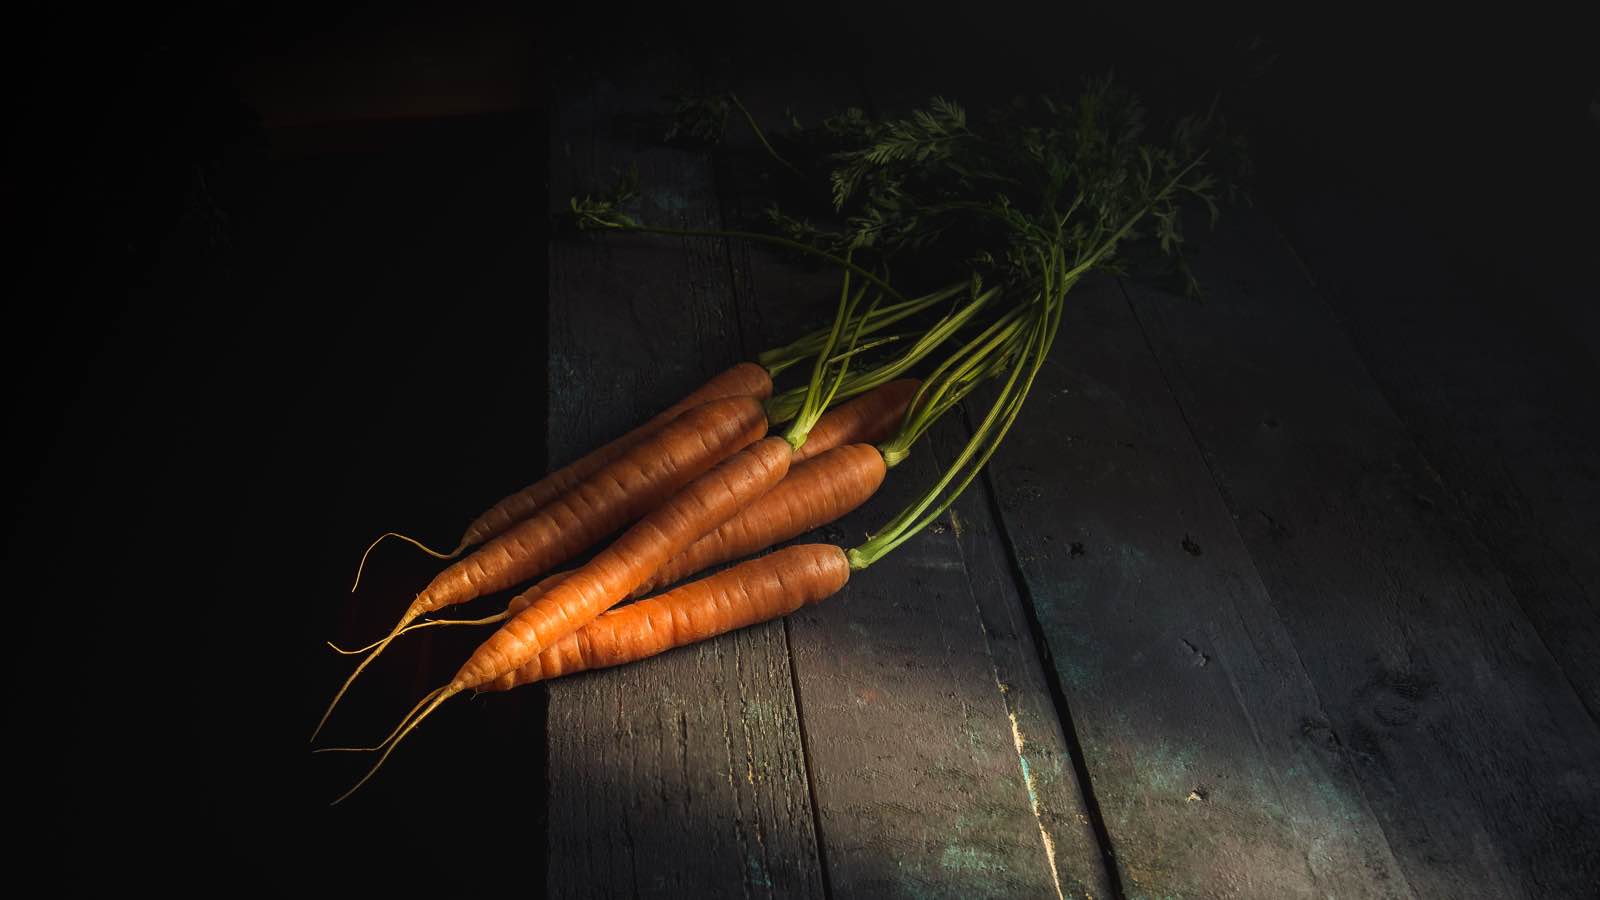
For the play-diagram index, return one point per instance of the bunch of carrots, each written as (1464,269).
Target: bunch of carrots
(735,468)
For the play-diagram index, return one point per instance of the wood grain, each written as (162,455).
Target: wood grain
(921,787)
(1206,744)
(1499,400)
(681,775)
(1470,743)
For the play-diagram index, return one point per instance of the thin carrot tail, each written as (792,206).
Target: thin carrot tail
(441,696)
(410,540)
(385,742)
(400,628)
(427,623)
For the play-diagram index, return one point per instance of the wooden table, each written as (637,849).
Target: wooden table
(1211,625)
(1292,592)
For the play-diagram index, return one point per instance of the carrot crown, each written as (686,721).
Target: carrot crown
(821,389)
(980,358)
(1037,329)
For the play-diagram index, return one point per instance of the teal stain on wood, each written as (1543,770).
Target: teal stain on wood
(1166,769)
(1027,780)
(1074,648)
(1072,667)
(756,873)
(959,858)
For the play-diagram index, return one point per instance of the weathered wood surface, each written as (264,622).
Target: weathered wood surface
(1468,740)
(914,763)
(681,776)
(1228,636)
(1054,778)
(1208,750)
(1500,402)
(916,772)
(1061,799)
(1102,453)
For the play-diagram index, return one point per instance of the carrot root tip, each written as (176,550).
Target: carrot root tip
(398,630)
(361,567)
(425,623)
(439,696)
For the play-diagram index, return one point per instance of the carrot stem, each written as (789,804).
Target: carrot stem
(815,401)
(848,354)
(1054,280)
(785,406)
(917,516)
(762,135)
(779,358)
(953,379)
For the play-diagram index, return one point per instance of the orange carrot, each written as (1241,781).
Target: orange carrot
(816,492)
(765,588)
(867,419)
(709,501)
(618,493)
(599,584)
(813,494)
(743,379)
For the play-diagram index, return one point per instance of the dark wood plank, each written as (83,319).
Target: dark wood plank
(682,775)
(913,762)
(1499,399)
(1055,791)
(1276,810)
(913,754)
(1470,743)
(1206,746)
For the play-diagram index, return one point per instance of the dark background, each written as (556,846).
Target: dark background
(271,269)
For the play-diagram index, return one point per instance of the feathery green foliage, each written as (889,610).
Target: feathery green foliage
(1034,195)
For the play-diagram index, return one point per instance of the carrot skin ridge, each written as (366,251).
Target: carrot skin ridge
(792,512)
(866,419)
(752,592)
(745,378)
(859,468)
(620,492)
(829,479)
(699,507)
(815,493)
